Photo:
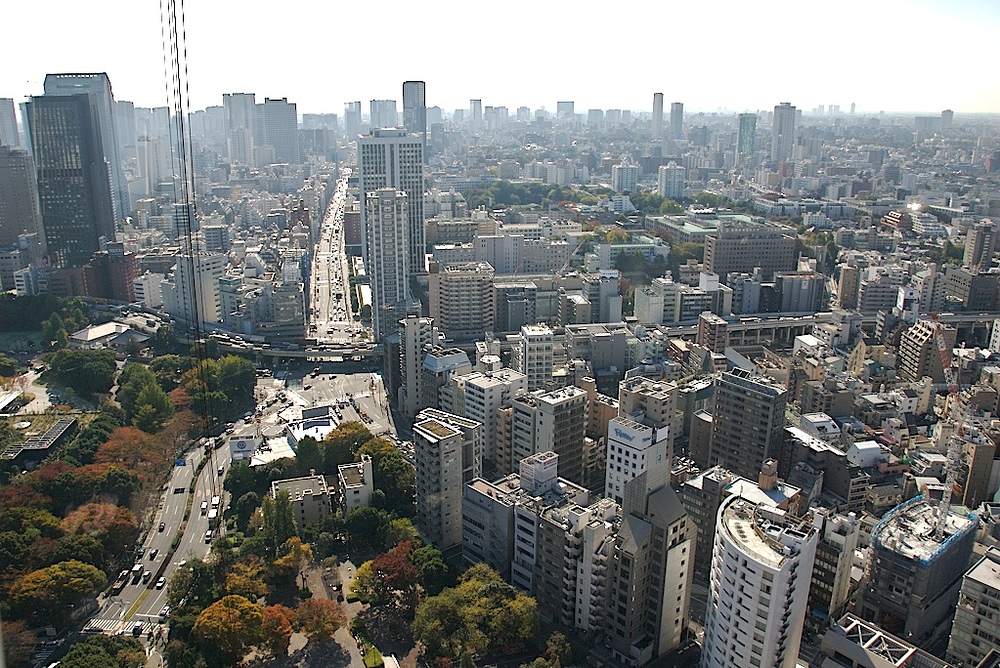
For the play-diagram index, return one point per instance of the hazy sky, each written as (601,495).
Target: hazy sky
(912,55)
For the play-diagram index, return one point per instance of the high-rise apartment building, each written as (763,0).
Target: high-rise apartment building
(624,178)
(759,588)
(980,244)
(713,332)
(462,298)
(386,257)
(533,355)
(783,132)
(74,188)
(191,295)
(417,336)
(554,421)
(19,212)
(415,110)
(918,351)
(670,180)
(280,129)
(99,86)
(748,422)
(479,395)
(975,630)
(657,115)
(8,123)
(352,119)
(448,451)
(677,120)
(383,114)
(915,566)
(746,136)
(391,158)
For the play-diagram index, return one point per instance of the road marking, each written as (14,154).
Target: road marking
(135,606)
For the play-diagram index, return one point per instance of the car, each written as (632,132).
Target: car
(153,553)
(137,629)
(208,536)
(141,552)
(161,582)
(146,577)
(163,525)
(164,612)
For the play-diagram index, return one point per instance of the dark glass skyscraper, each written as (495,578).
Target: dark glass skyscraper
(74,183)
(415,110)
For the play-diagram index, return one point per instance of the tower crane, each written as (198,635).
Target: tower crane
(957,417)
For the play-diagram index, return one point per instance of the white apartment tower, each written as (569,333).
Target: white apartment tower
(392,158)
(670,180)
(759,588)
(534,356)
(386,257)
(554,421)
(416,336)
(478,395)
(624,178)
(657,132)
(191,295)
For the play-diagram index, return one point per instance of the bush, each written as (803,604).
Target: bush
(373,657)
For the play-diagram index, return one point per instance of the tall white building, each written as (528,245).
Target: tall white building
(534,355)
(391,158)
(191,294)
(386,257)
(759,589)
(416,336)
(383,114)
(670,180)
(677,120)
(657,132)
(554,421)
(478,395)
(633,449)
(624,178)
(448,451)
(783,132)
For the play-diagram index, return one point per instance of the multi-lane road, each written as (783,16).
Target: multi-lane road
(140,603)
(332,320)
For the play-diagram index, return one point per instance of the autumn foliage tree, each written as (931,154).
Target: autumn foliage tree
(228,627)
(246,578)
(388,579)
(277,625)
(55,587)
(319,619)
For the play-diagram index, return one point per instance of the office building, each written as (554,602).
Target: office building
(633,449)
(74,188)
(19,210)
(533,355)
(99,86)
(782,132)
(462,298)
(657,132)
(759,588)
(554,421)
(748,421)
(624,178)
(391,158)
(914,573)
(280,129)
(415,110)
(475,114)
(830,587)
(383,114)
(479,395)
(386,257)
(980,244)
(448,451)
(670,180)
(352,119)
(713,332)
(975,630)
(677,120)
(8,123)
(310,497)
(746,136)
(744,248)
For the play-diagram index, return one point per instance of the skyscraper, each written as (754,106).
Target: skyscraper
(657,115)
(99,86)
(240,117)
(677,120)
(391,158)
(19,212)
(8,123)
(383,114)
(748,422)
(415,110)
(783,132)
(565,110)
(73,186)
(280,129)
(386,259)
(352,119)
(746,141)
(475,114)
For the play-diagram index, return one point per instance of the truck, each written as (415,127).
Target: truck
(120,583)
(136,572)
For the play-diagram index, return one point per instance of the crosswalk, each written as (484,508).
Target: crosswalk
(100,625)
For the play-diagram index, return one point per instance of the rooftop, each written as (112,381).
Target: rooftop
(765,533)
(910,529)
(987,570)
(297,488)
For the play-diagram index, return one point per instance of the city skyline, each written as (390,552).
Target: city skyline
(728,67)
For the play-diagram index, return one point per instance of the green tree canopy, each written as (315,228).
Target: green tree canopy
(86,372)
